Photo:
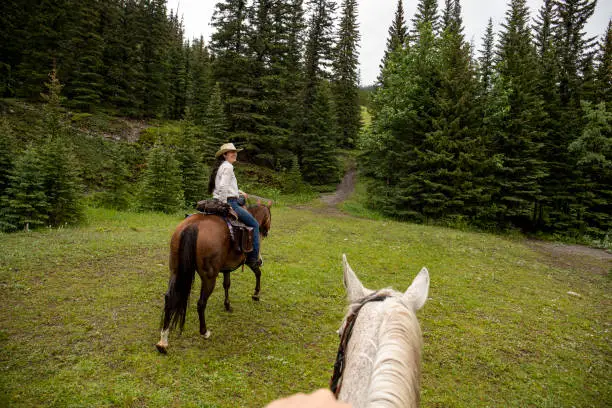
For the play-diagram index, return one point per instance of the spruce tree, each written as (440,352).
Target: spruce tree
(116,189)
(457,161)
(593,152)
(346,81)
(486,59)
(152,32)
(427,12)
(294,74)
(43,31)
(267,41)
(573,46)
(293,182)
(7,151)
(398,37)
(394,151)
(161,188)
(554,186)
(233,67)
(59,166)
(193,171)
(200,85)
(518,132)
(177,70)
(25,206)
(85,80)
(319,161)
(62,184)
(317,59)
(604,68)
(215,124)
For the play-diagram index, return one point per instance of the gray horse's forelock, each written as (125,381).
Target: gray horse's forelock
(396,369)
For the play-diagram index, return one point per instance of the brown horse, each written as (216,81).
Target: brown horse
(202,243)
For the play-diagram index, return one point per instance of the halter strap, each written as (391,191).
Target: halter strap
(335,384)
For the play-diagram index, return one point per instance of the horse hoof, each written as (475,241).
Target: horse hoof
(255,298)
(207,334)
(229,308)
(162,348)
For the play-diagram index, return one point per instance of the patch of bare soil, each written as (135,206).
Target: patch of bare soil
(576,257)
(344,189)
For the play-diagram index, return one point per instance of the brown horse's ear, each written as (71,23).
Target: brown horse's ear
(354,289)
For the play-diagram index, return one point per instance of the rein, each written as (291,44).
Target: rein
(336,381)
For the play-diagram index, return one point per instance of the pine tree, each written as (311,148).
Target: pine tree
(43,31)
(152,37)
(398,37)
(200,85)
(294,72)
(177,71)
(486,59)
(604,69)
(84,79)
(59,166)
(25,204)
(427,12)
(518,129)
(215,124)
(593,151)
(161,188)
(319,161)
(554,187)
(193,171)
(573,46)
(13,20)
(233,67)
(318,55)
(7,150)
(456,163)
(395,155)
(268,43)
(62,185)
(346,81)
(116,189)
(293,182)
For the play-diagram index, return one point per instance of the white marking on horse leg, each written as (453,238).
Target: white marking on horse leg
(207,334)
(164,337)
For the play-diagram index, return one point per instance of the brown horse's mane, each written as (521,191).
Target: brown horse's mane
(264,216)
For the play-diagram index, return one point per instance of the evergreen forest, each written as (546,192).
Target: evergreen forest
(106,102)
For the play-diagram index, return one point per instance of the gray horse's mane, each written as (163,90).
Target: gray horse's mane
(397,366)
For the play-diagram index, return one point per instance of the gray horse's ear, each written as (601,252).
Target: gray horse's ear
(354,288)
(416,295)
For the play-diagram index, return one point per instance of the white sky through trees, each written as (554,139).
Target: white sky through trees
(375,17)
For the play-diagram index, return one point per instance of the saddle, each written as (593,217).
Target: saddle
(241,235)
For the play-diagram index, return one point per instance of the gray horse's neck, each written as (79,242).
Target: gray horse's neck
(383,357)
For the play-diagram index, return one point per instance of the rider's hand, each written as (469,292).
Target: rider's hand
(322,398)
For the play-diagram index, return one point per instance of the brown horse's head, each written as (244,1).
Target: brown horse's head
(263,215)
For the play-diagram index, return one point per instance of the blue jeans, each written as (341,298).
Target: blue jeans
(249,220)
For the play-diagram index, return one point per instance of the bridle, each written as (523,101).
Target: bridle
(336,381)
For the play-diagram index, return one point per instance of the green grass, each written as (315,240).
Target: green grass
(81,309)
(366,117)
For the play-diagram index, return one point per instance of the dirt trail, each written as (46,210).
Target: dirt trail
(344,190)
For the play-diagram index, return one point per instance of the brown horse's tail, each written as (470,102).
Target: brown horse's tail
(179,289)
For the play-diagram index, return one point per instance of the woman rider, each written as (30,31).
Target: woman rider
(224,187)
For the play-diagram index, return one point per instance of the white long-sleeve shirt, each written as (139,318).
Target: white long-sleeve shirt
(226,184)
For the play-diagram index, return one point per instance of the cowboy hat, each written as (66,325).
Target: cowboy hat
(228,147)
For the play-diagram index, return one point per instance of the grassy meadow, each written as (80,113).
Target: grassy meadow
(82,306)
